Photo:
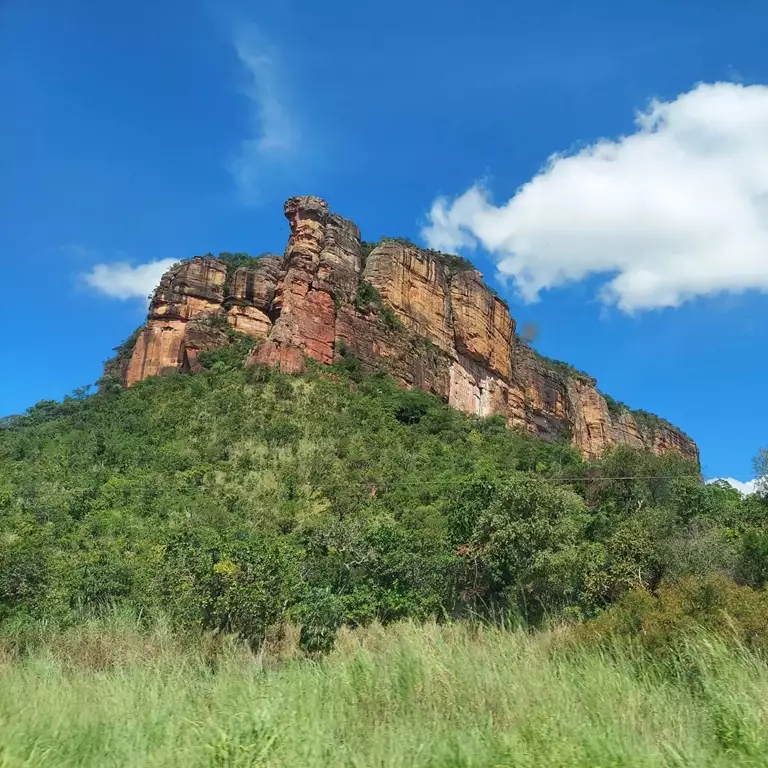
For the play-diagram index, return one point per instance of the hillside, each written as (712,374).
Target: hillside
(237,497)
(173,555)
(425,317)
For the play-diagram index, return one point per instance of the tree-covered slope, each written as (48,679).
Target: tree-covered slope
(233,499)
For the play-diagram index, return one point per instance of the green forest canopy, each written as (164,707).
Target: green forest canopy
(234,499)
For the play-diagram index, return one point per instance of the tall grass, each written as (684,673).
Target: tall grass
(112,694)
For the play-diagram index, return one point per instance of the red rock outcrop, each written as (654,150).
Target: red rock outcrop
(322,263)
(192,307)
(427,319)
(194,289)
(416,287)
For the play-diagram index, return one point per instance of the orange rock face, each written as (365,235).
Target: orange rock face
(250,295)
(482,327)
(412,312)
(194,289)
(416,287)
(191,308)
(322,258)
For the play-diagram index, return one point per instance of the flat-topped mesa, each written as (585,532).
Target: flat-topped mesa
(426,318)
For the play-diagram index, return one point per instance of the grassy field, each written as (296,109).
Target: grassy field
(406,695)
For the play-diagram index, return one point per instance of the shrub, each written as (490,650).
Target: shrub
(523,539)
(615,407)
(367,299)
(413,407)
(320,614)
(257,373)
(391,320)
(231,356)
(351,365)
(282,385)
(752,564)
(235,584)
(453,263)
(662,621)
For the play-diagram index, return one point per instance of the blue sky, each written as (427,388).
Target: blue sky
(135,132)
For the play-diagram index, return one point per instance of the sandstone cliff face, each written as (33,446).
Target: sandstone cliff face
(249,297)
(483,329)
(321,263)
(416,287)
(191,309)
(192,290)
(402,309)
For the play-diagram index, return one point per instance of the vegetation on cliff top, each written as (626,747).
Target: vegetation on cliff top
(236,260)
(562,369)
(452,262)
(646,422)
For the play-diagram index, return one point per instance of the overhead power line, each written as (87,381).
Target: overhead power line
(385,484)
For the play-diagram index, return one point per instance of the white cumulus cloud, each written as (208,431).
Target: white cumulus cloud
(676,210)
(120,280)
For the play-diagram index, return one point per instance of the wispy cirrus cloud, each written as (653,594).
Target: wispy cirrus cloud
(271,150)
(123,281)
(275,139)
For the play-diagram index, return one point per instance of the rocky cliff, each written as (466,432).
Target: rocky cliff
(427,318)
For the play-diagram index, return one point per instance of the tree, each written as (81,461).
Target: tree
(528,541)
(760,463)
